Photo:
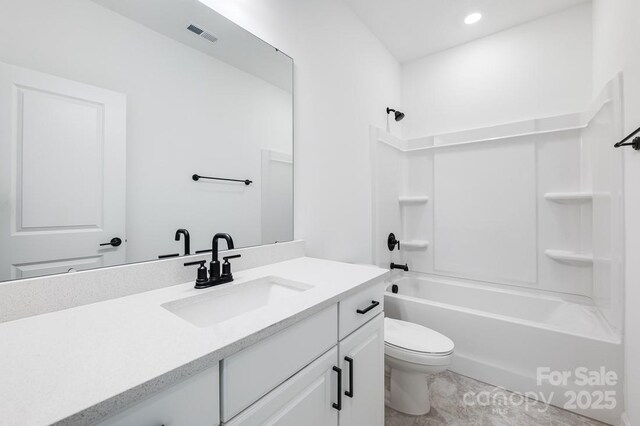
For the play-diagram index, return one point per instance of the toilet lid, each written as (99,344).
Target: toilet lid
(416,338)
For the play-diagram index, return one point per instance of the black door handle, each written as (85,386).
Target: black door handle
(115,242)
(338,406)
(368,308)
(349,393)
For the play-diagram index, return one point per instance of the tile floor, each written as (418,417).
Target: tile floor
(447,391)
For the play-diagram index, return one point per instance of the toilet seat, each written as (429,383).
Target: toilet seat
(418,358)
(415,343)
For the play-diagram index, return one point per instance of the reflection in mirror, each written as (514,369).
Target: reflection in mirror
(107,110)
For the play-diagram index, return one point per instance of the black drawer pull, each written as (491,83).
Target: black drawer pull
(349,393)
(338,406)
(368,308)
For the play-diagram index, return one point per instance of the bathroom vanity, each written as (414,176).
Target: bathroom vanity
(306,374)
(295,342)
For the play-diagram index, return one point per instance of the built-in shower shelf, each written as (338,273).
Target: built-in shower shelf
(414,245)
(570,257)
(413,199)
(569,197)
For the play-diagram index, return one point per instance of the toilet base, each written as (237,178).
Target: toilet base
(409,392)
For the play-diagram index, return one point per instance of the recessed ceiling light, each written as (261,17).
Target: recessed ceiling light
(472,18)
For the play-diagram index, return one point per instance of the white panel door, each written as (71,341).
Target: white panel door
(62,174)
(362,363)
(307,399)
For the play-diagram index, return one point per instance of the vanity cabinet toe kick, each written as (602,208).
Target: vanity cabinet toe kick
(324,370)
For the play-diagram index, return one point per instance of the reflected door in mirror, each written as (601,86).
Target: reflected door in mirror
(63,166)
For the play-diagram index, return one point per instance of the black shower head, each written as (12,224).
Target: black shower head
(398,115)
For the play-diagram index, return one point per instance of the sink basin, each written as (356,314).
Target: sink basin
(214,307)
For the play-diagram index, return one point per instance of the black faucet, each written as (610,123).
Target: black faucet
(396,266)
(214,266)
(187,240)
(215,278)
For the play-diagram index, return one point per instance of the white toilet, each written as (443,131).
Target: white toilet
(413,351)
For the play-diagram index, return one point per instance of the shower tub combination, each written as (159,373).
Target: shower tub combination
(504,335)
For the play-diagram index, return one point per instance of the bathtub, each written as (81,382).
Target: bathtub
(503,335)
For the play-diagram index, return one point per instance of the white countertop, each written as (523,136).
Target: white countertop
(77,365)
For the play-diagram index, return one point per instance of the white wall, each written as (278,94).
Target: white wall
(344,80)
(538,69)
(173,131)
(616,41)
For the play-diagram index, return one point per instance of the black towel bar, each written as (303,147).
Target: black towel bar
(198,177)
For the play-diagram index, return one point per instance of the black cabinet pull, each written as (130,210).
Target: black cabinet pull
(115,242)
(368,308)
(349,393)
(338,406)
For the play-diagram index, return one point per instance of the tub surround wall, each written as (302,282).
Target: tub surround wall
(603,172)
(477,191)
(389,176)
(36,296)
(511,204)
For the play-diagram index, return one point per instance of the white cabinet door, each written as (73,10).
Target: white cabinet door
(62,174)
(307,399)
(362,363)
(193,402)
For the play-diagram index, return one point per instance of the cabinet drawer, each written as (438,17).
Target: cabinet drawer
(305,399)
(193,402)
(251,373)
(359,308)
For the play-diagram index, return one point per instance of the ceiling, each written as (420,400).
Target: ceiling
(412,29)
(235,46)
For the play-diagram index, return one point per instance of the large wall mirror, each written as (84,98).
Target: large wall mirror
(108,108)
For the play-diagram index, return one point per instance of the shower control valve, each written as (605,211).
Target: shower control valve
(392,242)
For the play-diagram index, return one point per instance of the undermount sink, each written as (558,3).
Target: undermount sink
(214,307)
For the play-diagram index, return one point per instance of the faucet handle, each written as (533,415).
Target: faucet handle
(226,266)
(203,278)
(393,242)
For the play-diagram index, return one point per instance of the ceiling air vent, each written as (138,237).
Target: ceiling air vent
(202,33)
